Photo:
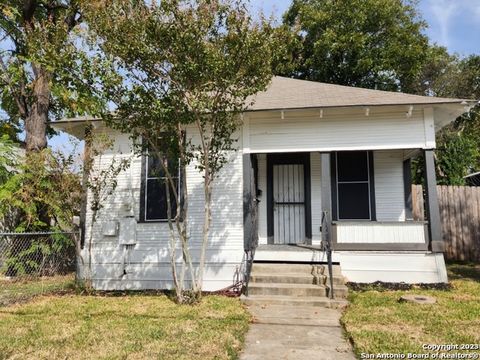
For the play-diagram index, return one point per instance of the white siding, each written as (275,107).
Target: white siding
(347,129)
(389,187)
(377,232)
(147,263)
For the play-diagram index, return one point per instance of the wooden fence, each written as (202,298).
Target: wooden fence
(460,218)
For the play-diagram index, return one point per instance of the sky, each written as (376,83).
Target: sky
(454,24)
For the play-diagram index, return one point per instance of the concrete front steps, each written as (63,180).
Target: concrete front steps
(295,284)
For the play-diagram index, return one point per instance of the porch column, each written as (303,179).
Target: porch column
(431,203)
(249,210)
(407,187)
(326,196)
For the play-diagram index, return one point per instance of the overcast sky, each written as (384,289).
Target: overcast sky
(452,23)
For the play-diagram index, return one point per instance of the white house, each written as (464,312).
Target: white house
(307,151)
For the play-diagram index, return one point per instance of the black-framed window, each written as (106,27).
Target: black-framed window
(155,187)
(354,188)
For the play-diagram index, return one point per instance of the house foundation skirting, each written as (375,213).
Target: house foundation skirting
(393,267)
(412,267)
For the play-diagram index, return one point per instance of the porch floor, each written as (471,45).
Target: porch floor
(289,253)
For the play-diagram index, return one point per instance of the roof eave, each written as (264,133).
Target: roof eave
(455,101)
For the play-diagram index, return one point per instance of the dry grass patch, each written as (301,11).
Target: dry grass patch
(12,291)
(133,327)
(376,322)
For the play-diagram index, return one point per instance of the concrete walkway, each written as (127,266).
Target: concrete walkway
(293,332)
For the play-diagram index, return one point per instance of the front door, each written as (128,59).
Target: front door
(289,204)
(289,198)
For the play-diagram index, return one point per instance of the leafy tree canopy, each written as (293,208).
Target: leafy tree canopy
(366,43)
(43,188)
(44,74)
(458,144)
(8,158)
(178,61)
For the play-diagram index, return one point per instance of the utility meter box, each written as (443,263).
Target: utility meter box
(128,231)
(110,228)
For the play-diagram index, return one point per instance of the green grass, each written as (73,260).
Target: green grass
(120,327)
(376,322)
(20,291)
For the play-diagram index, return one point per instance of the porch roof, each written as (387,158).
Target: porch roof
(287,93)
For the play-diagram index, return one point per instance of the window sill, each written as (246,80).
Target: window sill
(165,221)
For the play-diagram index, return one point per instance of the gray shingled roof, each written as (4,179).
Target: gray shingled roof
(286,93)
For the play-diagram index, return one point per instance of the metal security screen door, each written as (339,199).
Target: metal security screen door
(289,204)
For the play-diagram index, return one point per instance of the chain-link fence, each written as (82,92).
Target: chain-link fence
(34,263)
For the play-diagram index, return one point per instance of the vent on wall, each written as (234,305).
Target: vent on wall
(110,228)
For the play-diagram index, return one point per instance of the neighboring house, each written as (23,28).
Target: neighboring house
(473,179)
(307,151)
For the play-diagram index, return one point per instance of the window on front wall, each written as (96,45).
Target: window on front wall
(154,205)
(354,190)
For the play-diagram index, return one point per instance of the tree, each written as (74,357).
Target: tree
(367,43)
(457,152)
(43,184)
(186,69)
(456,156)
(8,168)
(8,159)
(465,83)
(434,78)
(43,73)
(468,80)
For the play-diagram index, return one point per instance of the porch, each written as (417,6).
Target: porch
(354,200)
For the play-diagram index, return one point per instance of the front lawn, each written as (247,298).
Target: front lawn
(120,327)
(377,323)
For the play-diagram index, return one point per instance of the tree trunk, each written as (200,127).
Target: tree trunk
(206,232)
(36,121)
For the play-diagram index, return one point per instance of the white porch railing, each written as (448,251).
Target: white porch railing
(400,232)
